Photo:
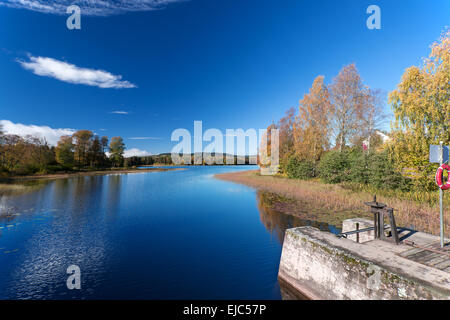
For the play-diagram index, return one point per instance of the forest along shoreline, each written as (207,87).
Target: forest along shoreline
(333,203)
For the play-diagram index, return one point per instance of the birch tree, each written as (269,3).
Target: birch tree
(371,117)
(117,149)
(349,97)
(312,130)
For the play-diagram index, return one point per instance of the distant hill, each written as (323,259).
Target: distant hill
(204,158)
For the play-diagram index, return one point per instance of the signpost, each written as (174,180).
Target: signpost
(440,154)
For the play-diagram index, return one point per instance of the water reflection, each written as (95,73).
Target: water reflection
(10,190)
(64,219)
(161,235)
(277,222)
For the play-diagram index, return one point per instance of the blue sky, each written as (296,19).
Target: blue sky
(141,71)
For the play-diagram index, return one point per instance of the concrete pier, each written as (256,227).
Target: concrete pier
(320,265)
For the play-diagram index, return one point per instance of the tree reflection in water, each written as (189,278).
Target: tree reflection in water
(277,222)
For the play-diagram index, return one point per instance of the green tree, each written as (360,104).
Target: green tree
(104,143)
(286,138)
(334,167)
(300,169)
(82,144)
(359,166)
(39,154)
(64,151)
(383,175)
(116,148)
(96,154)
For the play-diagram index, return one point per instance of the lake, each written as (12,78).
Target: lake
(153,235)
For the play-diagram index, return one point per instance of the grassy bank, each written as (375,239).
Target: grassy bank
(343,200)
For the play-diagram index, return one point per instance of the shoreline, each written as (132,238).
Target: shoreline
(319,199)
(65,175)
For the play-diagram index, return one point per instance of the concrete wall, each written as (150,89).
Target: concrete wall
(321,266)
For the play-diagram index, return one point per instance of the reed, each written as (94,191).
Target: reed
(419,211)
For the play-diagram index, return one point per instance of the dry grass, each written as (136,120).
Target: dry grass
(335,199)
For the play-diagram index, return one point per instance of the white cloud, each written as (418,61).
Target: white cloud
(135,152)
(67,72)
(144,138)
(51,135)
(88,7)
(120,112)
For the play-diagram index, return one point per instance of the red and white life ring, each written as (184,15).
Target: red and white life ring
(440,177)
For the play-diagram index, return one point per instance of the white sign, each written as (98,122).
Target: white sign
(435,153)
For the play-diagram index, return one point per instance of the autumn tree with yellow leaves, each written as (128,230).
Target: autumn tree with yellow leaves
(312,130)
(421,105)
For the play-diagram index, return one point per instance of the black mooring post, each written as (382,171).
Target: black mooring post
(390,212)
(375,225)
(381,225)
(379,210)
(376,208)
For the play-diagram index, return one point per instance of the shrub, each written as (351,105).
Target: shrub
(359,167)
(334,167)
(382,173)
(300,169)
(284,162)
(57,168)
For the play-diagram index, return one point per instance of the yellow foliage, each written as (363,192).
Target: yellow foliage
(421,105)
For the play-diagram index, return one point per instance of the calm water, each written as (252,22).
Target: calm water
(157,235)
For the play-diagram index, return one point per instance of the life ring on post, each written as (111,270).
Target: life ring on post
(440,177)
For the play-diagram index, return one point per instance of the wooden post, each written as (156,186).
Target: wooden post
(381,225)
(375,224)
(393,225)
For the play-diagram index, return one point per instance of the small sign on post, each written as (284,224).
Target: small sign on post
(435,154)
(440,154)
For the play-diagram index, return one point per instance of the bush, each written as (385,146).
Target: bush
(57,168)
(375,170)
(334,167)
(359,167)
(300,169)
(25,169)
(284,162)
(383,175)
